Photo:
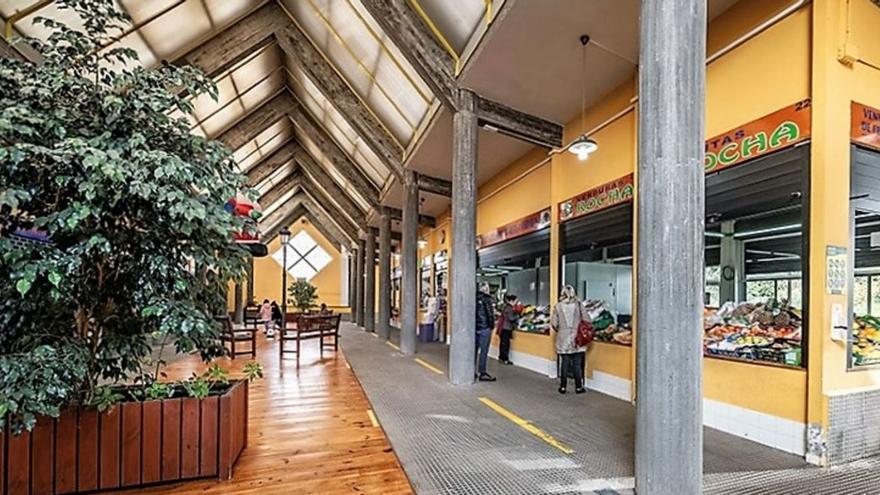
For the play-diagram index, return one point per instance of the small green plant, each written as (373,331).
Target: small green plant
(303,294)
(253,371)
(158,390)
(198,386)
(105,398)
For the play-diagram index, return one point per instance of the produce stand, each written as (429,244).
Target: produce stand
(765,332)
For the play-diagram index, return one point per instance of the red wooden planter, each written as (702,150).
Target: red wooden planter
(135,444)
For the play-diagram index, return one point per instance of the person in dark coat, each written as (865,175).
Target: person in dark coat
(485,323)
(509,323)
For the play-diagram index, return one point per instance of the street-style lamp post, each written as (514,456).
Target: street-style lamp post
(285,237)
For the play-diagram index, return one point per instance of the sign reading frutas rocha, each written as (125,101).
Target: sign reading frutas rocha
(773,132)
(599,198)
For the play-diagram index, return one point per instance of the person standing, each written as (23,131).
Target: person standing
(509,323)
(485,323)
(565,319)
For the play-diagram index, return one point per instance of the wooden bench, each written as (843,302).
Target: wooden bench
(234,334)
(299,327)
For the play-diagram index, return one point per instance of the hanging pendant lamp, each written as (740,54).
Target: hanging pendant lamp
(583,146)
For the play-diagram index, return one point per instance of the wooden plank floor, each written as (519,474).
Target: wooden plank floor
(309,431)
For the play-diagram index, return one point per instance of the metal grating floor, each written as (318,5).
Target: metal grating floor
(449,442)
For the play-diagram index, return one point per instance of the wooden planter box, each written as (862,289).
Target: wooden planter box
(134,444)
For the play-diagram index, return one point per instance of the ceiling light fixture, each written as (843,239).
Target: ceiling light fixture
(584,146)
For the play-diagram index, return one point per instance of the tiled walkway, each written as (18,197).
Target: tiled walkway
(520,436)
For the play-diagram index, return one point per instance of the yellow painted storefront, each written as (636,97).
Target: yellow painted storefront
(799,57)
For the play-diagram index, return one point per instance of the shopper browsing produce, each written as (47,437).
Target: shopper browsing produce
(565,320)
(508,322)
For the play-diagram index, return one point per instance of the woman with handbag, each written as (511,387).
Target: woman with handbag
(569,319)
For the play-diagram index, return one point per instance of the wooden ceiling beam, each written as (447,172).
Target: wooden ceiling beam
(270,24)
(254,122)
(293,180)
(437,67)
(271,162)
(434,185)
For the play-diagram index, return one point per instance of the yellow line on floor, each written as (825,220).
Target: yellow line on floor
(392,345)
(529,427)
(373,420)
(374,334)
(429,366)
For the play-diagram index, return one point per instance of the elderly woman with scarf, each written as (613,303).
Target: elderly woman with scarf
(565,319)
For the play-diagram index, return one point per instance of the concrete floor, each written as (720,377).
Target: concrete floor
(450,440)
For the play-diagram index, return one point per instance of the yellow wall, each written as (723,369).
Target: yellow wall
(846,67)
(267,272)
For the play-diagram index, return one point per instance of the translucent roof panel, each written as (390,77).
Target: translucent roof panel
(263,145)
(276,177)
(269,209)
(217,117)
(382,79)
(331,170)
(160,29)
(336,126)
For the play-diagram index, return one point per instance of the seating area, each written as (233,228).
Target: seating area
(234,335)
(299,327)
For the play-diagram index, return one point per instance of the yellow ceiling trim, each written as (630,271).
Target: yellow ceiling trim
(437,33)
(21,14)
(426,97)
(360,65)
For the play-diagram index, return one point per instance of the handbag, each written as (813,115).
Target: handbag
(499,324)
(584,334)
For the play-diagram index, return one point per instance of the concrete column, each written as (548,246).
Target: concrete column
(384,318)
(359,285)
(370,282)
(463,258)
(409,297)
(250,282)
(670,202)
(733,266)
(352,267)
(238,305)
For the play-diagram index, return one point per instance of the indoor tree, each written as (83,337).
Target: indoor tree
(97,159)
(303,294)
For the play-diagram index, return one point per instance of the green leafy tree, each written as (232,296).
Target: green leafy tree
(303,294)
(93,156)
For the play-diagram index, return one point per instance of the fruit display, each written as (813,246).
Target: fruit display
(768,332)
(605,327)
(534,319)
(866,341)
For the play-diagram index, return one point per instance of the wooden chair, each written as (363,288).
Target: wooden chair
(252,316)
(233,334)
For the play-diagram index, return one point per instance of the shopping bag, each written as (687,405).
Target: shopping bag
(584,334)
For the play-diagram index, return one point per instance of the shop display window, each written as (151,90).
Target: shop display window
(597,261)
(864,259)
(520,266)
(864,341)
(755,265)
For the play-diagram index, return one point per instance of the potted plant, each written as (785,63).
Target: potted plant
(113,236)
(304,295)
